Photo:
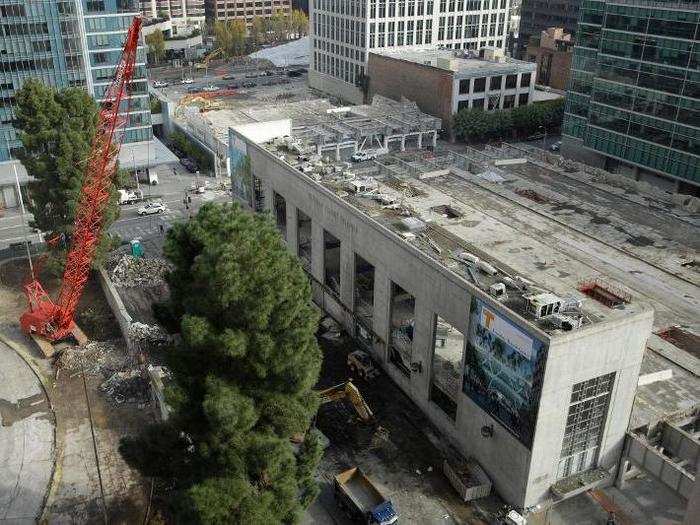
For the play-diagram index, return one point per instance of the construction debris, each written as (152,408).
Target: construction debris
(148,334)
(123,378)
(132,271)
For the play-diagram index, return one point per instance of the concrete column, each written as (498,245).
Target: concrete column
(386,142)
(434,139)
(422,349)
(420,139)
(337,152)
(317,250)
(269,196)
(382,299)
(621,473)
(292,233)
(347,278)
(403,142)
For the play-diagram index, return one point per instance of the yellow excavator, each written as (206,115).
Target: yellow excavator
(349,391)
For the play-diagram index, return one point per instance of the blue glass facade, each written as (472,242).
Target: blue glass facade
(67,43)
(634,91)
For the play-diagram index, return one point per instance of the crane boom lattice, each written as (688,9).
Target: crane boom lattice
(54,321)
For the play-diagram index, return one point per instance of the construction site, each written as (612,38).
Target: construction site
(538,277)
(507,336)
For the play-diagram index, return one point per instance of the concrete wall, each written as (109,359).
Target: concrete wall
(427,86)
(578,357)
(335,87)
(117,306)
(522,478)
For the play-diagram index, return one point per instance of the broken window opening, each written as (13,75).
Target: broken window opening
(403,306)
(331,262)
(445,381)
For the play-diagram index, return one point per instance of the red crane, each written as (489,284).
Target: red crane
(54,320)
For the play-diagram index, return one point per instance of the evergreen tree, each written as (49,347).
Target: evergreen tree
(242,376)
(156,44)
(56,129)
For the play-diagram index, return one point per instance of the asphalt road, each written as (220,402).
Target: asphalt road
(171,191)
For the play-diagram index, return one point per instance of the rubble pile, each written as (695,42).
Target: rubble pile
(123,378)
(131,272)
(148,334)
(130,386)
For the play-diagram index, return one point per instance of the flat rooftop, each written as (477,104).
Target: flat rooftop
(611,252)
(464,63)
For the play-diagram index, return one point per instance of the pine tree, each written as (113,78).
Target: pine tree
(241,378)
(56,129)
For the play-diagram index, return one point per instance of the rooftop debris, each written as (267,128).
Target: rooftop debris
(132,271)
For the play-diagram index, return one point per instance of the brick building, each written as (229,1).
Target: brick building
(443,81)
(244,9)
(552,51)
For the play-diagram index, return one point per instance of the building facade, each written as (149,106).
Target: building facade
(67,43)
(633,104)
(179,12)
(344,32)
(244,9)
(538,15)
(552,51)
(542,410)
(444,82)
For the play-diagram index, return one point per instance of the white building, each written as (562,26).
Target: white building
(344,31)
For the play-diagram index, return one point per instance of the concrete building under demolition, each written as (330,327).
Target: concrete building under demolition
(530,371)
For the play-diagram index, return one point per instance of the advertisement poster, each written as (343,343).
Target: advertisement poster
(241,179)
(503,370)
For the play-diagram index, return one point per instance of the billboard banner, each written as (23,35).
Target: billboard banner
(503,370)
(239,165)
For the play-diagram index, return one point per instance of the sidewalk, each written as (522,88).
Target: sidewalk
(27,440)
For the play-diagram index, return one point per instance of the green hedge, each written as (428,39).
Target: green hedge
(476,125)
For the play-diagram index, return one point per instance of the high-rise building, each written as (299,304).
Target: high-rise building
(539,15)
(67,43)
(633,103)
(343,33)
(552,50)
(180,12)
(246,10)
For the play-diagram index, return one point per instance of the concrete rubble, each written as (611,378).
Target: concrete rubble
(123,377)
(148,334)
(129,271)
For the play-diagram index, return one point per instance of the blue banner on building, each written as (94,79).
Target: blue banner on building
(503,370)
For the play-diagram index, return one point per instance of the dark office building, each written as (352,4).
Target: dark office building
(633,104)
(539,15)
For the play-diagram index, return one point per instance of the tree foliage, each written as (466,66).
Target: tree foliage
(203,159)
(242,377)
(56,129)
(478,125)
(156,44)
(230,37)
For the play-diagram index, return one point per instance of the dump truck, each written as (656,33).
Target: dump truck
(356,495)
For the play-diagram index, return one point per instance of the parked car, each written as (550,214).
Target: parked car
(211,87)
(249,84)
(160,84)
(152,208)
(234,85)
(556,146)
(229,77)
(193,89)
(187,81)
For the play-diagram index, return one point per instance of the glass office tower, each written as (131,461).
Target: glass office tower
(633,103)
(67,43)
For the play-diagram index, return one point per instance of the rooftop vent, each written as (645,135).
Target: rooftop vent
(543,304)
(447,211)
